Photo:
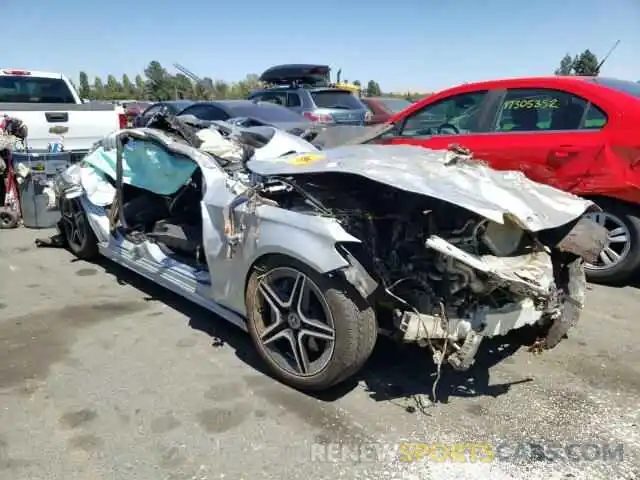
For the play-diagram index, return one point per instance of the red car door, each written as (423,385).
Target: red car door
(551,136)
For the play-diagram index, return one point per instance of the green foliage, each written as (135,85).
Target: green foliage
(156,84)
(373,89)
(585,64)
(84,89)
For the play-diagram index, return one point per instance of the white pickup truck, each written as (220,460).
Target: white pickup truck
(43,100)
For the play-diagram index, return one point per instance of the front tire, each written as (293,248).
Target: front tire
(312,330)
(77,232)
(620,259)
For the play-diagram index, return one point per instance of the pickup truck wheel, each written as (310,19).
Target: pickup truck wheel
(78,233)
(312,330)
(620,258)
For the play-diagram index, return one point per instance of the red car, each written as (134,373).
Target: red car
(383,108)
(579,134)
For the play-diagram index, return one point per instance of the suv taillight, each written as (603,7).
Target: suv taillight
(368,117)
(122,120)
(318,117)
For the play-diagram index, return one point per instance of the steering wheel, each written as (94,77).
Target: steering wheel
(448,126)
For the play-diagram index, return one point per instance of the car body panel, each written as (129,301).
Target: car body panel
(443,175)
(245,113)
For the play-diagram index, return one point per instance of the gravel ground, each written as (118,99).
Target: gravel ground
(105,376)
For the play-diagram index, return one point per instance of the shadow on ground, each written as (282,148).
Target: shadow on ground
(393,372)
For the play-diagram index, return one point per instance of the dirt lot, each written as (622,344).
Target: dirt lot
(103,375)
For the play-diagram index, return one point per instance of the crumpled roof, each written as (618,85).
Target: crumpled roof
(436,173)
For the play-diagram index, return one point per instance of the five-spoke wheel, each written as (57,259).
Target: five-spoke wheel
(76,229)
(296,327)
(311,329)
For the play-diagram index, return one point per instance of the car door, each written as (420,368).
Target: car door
(551,135)
(461,119)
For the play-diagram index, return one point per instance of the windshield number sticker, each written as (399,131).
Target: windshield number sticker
(302,160)
(531,103)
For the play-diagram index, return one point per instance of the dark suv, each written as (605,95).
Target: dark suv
(306,89)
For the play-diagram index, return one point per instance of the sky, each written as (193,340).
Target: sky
(405,45)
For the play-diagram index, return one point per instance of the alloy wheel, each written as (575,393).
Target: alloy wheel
(74,222)
(618,243)
(295,326)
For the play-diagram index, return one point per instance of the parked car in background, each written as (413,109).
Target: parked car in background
(133,109)
(579,134)
(383,108)
(247,113)
(306,89)
(170,106)
(44,100)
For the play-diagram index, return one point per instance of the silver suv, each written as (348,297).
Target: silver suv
(311,95)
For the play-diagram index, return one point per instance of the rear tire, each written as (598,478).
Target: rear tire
(8,219)
(77,231)
(353,322)
(622,221)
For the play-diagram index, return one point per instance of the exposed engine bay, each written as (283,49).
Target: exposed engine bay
(448,277)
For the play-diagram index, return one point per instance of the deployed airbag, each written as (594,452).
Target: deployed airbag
(146,165)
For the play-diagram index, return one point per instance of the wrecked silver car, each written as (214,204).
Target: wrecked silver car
(315,253)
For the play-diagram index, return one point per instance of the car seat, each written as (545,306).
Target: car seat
(524,120)
(567,117)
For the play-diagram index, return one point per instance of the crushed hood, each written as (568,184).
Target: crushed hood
(440,174)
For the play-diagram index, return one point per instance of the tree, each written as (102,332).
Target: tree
(140,90)
(373,89)
(128,89)
(158,85)
(586,64)
(84,89)
(113,89)
(98,89)
(220,89)
(566,66)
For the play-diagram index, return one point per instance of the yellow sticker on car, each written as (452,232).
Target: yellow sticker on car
(532,103)
(306,159)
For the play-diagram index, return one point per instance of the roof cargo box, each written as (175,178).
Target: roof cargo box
(296,73)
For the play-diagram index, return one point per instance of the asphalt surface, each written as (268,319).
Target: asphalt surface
(105,376)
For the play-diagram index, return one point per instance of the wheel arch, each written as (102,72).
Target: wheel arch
(350,268)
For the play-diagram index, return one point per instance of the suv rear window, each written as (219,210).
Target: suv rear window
(336,99)
(24,89)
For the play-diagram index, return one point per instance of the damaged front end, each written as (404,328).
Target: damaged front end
(460,285)
(536,291)
(441,272)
